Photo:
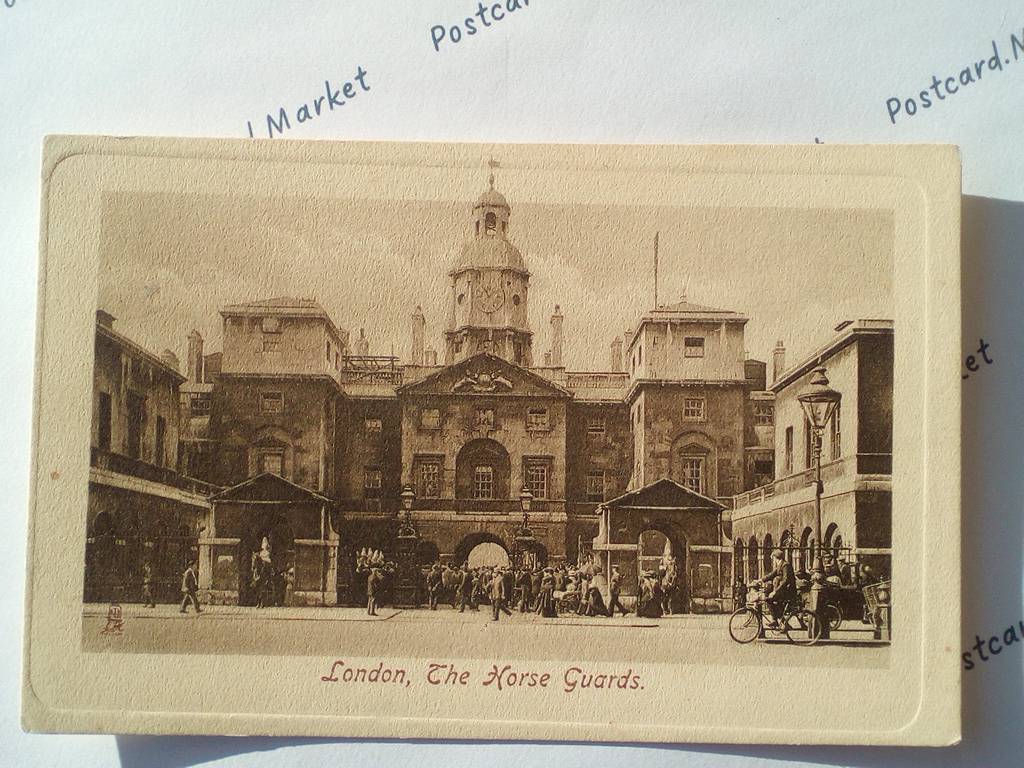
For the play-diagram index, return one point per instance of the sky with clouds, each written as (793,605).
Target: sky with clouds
(170,262)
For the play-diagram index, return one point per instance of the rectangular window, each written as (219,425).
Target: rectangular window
(693,346)
(105,416)
(373,426)
(485,418)
(200,405)
(372,482)
(595,485)
(693,473)
(536,478)
(789,451)
(537,419)
(483,482)
(271,402)
(764,414)
(428,478)
(272,462)
(136,423)
(328,352)
(270,344)
(835,432)
(693,408)
(595,425)
(430,418)
(160,452)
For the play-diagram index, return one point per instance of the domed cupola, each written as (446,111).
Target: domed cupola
(489,288)
(489,246)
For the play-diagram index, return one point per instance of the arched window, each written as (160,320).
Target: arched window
(753,560)
(490,222)
(786,544)
(768,547)
(806,555)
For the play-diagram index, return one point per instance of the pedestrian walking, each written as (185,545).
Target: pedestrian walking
(464,589)
(190,587)
(614,589)
(496,592)
(434,584)
(525,591)
(373,586)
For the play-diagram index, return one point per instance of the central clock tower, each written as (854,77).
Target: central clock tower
(489,289)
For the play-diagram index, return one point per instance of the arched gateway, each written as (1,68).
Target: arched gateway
(666,523)
(482,548)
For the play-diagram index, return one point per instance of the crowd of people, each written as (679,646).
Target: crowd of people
(547,591)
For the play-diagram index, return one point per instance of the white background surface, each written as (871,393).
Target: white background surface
(646,72)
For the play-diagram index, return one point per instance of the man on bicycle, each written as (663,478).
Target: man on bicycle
(779,585)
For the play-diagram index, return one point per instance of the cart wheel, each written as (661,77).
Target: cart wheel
(834,615)
(807,631)
(745,625)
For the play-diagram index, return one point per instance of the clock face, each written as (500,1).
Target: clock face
(491,296)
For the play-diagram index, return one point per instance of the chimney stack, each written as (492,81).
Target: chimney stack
(170,359)
(194,363)
(616,360)
(778,361)
(419,326)
(556,337)
(362,344)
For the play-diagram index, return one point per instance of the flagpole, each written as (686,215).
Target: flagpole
(656,270)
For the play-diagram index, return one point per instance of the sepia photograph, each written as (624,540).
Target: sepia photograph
(508,421)
(536,413)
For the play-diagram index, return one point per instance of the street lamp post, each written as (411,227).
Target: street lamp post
(525,542)
(819,402)
(407,576)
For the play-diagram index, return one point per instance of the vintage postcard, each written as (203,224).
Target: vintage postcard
(616,443)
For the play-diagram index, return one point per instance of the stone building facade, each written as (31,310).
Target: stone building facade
(295,420)
(856,462)
(141,511)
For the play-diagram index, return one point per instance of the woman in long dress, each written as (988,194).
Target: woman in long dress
(595,600)
(650,597)
(546,600)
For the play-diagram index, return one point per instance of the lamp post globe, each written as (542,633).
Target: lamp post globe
(408,496)
(819,400)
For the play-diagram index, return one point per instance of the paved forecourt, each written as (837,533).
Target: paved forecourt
(446,633)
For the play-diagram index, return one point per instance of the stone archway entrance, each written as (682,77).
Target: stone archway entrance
(665,523)
(663,555)
(266,551)
(488,554)
(654,551)
(484,546)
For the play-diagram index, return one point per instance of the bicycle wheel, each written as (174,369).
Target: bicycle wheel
(745,625)
(807,631)
(834,616)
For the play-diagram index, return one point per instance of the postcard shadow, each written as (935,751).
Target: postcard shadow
(993,532)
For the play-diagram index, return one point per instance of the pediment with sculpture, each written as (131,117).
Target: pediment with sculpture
(485,374)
